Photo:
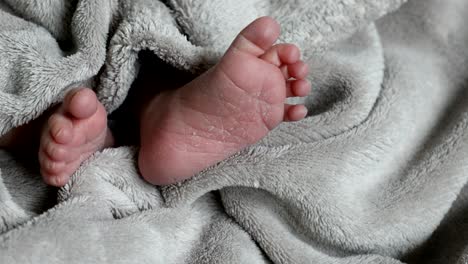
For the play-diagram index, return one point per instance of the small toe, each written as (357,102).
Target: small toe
(60,128)
(48,179)
(61,178)
(298,70)
(298,88)
(282,54)
(294,112)
(50,167)
(57,180)
(58,152)
(53,167)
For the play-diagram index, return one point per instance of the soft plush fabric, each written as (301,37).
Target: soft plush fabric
(375,174)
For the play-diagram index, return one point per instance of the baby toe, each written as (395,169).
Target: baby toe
(298,70)
(58,152)
(57,180)
(50,167)
(281,54)
(298,88)
(60,128)
(294,112)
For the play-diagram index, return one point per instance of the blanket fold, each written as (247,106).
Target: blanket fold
(375,174)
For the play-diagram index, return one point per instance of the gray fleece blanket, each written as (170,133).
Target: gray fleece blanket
(375,174)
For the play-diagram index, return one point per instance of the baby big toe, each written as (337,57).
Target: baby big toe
(81,103)
(258,36)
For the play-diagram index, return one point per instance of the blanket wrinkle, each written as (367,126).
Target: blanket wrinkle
(376,173)
(44,68)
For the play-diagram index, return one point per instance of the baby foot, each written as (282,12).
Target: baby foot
(231,106)
(73,133)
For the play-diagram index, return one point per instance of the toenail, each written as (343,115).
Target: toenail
(295,52)
(302,112)
(305,110)
(58,180)
(74,93)
(53,166)
(61,135)
(48,166)
(58,133)
(54,151)
(307,86)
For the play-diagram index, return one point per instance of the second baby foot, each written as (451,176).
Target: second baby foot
(231,106)
(76,130)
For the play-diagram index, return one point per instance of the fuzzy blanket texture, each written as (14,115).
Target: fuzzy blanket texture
(375,174)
